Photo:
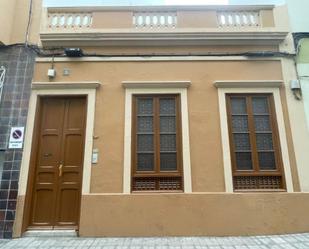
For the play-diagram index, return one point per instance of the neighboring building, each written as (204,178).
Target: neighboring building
(299,25)
(16,70)
(172,121)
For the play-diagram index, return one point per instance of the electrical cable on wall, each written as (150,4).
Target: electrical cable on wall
(59,52)
(29,23)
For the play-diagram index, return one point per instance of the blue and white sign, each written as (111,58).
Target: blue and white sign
(16,138)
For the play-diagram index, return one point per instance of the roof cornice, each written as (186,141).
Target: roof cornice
(160,8)
(193,37)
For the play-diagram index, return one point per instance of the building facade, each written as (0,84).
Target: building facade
(164,121)
(300,30)
(16,70)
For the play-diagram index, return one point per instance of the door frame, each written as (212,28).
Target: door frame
(39,90)
(35,154)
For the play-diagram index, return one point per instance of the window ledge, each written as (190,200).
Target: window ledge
(259,190)
(156,84)
(247,83)
(158,192)
(66,85)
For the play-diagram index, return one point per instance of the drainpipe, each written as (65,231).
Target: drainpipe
(2,76)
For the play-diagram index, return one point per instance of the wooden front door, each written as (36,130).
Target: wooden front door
(59,162)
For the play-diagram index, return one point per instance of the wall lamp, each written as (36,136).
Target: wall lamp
(296,89)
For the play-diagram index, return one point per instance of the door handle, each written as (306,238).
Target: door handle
(60,170)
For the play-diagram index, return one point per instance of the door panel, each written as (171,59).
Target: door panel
(68,210)
(58,175)
(45,187)
(72,159)
(43,206)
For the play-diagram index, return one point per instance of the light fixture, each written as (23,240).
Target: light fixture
(296,89)
(73,52)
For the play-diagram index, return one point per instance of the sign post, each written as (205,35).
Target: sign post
(16,138)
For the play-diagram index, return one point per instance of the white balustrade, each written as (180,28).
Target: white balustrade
(155,20)
(69,20)
(239,19)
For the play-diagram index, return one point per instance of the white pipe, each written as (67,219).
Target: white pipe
(2,76)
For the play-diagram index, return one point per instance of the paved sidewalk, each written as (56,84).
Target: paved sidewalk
(295,241)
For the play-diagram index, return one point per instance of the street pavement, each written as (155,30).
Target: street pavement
(293,241)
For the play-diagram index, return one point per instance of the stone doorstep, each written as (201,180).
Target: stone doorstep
(51,233)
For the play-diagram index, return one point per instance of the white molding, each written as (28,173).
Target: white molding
(91,94)
(66,85)
(185,134)
(154,58)
(156,84)
(247,83)
(131,37)
(225,135)
(161,8)
(228,176)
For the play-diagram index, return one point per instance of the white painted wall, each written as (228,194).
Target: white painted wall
(303,73)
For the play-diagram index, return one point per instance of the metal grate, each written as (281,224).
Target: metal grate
(258,182)
(157,183)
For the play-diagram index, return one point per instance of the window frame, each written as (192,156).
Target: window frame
(256,171)
(156,87)
(157,173)
(253,86)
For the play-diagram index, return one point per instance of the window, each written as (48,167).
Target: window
(156,143)
(255,152)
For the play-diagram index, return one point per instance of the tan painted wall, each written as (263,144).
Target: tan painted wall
(6,19)
(197,19)
(112,19)
(14,15)
(21,21)
(194,214)
(204,123)
(267,18)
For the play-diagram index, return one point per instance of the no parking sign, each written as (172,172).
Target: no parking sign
(16,137)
